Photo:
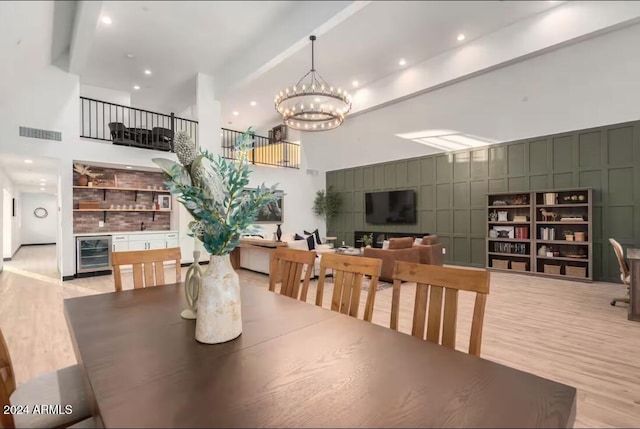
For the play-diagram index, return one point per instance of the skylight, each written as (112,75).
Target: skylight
(447,140)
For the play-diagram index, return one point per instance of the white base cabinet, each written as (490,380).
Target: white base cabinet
(149,241)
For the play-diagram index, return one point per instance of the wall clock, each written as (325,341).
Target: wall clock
(40,213)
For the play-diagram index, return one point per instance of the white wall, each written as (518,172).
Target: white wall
(588,84)
(105,94)
(36,230)
(6,232)
(10,236)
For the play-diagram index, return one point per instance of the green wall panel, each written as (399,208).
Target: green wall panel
(443,221)
(461,250)
(620,147)
(589,147)
(443,168)
(413,173)
(479,190)
(479,163)
(562,153)
(427,200)
(461,168)
(451,189)
(621,186)
(461,222)
(461,195)
(516,161)
(538,159)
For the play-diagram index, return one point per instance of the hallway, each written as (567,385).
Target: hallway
(36,261)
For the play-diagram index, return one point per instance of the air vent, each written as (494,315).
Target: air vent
(36,133)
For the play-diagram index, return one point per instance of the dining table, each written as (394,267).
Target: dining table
(294,365)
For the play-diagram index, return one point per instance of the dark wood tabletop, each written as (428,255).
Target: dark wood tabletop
(295,365)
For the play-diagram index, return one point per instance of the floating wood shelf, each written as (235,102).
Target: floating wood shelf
(518,206)
(563,205)
(563,242)
(113,188)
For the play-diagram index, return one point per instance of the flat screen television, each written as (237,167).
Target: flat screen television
(394,207)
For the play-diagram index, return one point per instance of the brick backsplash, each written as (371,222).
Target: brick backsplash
(84,222)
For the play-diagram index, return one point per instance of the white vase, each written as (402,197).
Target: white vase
(219,316)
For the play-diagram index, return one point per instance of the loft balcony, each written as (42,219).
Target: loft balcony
(129,126)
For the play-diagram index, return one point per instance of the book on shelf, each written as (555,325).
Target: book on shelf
(547,234)
(522,232)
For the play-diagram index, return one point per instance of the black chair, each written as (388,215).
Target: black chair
(161,139)
(120,134)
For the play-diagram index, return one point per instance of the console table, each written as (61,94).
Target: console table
(633,255)
(380,236)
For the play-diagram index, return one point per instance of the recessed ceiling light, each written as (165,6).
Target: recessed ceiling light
(128,167)
(28,161)
(236,113)
(106,20)
(42,189)
(402,62)
(253,103)
(460,37)
(147,72)
(136,87)
(130,56)
(355,83)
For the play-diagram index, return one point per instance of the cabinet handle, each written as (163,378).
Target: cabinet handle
(114,248)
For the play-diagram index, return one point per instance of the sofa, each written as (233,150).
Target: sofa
(406,249)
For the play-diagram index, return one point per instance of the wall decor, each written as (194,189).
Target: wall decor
(164,202)
(503,216)
(278,134)
(274,211)
(40,213)
(13,207)
(505,231)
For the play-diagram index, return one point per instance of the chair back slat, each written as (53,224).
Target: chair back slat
(435,314)
(450,319)
(148,266)
(348,275)
(436,301)
(286,268)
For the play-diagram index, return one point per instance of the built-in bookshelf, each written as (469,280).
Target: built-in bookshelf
(545,233)
(509,228)
(563,228)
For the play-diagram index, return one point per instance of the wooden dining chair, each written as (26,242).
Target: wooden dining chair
(348,273)
(64,387)
(145,264)
(432,283)
(287,267)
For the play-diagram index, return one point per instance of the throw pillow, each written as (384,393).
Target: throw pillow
(298,245)
(311,240)
(429,239)
(401,243)
(385,244)
(298,237)
(316,234)
(417,242)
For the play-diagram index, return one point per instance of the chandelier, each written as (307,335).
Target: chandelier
(312,104)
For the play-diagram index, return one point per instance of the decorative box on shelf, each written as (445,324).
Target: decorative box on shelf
(500,263)
(519,266)
(572,271)
(83,205)
(552,269)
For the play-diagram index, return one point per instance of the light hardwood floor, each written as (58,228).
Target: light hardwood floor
(561,330)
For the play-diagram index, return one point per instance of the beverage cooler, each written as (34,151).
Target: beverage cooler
(93,254)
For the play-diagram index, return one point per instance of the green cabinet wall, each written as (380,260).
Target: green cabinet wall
(451,189)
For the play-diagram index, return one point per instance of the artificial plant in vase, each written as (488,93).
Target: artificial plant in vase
(212,189)
(327,204)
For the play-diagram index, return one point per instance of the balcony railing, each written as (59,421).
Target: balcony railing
(265,151)
(128,126)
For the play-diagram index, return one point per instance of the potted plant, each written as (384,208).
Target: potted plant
(367,240)
(213,190)
(568,235)
(327,204)
(85,174)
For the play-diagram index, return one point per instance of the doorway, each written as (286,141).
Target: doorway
(7,225)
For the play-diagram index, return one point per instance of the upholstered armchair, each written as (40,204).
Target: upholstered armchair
(400,249)
(430,250)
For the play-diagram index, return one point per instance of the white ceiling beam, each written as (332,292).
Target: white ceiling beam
(283,40)
(84,30)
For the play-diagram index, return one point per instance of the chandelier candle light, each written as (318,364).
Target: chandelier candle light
(312,104)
